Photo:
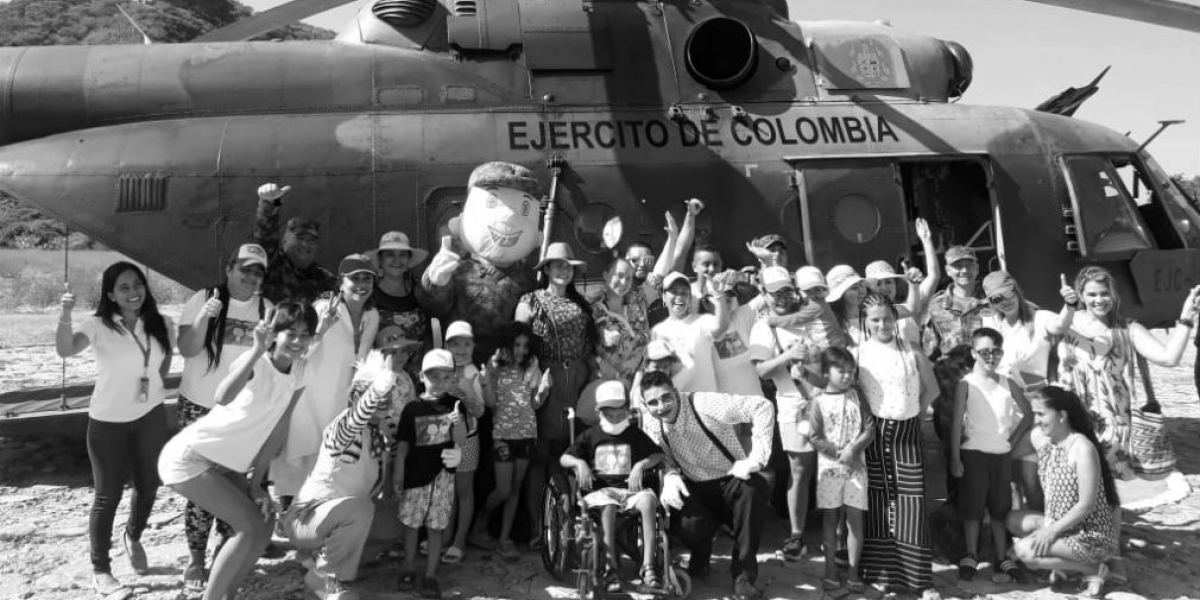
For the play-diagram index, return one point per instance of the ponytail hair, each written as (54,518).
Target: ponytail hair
(1063,400)
(872,300)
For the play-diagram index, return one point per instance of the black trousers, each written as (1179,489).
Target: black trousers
(740,504)
(117,451)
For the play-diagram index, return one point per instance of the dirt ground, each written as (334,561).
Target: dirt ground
(45,495)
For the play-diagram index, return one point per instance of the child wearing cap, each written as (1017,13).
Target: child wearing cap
(423,471)
(515,387)
(990,415)
(610,462)
(468,385)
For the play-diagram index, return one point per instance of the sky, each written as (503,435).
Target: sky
(1026,52)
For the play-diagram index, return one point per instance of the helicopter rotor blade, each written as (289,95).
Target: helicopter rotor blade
(284,14)
(1167,13)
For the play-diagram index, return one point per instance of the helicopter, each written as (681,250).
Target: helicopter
(835,134)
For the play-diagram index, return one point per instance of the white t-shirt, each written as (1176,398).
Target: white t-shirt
(232,434)
(120,366)
(200,381)
(735,373)
(1026,347)
(789,398)
(991,414)
(691,336)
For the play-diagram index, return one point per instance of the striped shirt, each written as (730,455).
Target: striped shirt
(690,450)
(340,471)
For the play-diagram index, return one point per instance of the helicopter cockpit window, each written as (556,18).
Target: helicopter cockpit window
(1105,210)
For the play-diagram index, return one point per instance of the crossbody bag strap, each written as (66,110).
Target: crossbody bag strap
(704,428)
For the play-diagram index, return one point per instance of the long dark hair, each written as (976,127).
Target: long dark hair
(152,320)
(214,338)
(1066,401)
(508,337)
(574,296)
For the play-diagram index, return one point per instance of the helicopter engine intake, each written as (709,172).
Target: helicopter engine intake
(721,53)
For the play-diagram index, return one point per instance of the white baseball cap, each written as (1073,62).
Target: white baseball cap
(459,329)
(610,394)
(810,277)
(776,278)
(252,254)
(437,359)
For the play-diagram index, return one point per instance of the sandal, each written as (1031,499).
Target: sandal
(430,589)
(1093,585)
(508,550)
(612,583)
(407,582)
(967,567)
(650,577)
(482,541)
(453,555)
(136,554)
(194,578)
(830,584)
(109,588)
(1007,572)
(856,587)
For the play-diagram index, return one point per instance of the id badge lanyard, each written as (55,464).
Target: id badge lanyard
(144,382)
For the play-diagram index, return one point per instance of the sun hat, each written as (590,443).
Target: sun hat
(610,394)
(840,279)
(559,251)
(776,278)
(459,329)
(252,254)
(398,241)
(810,277)
(957,253)
(881,269)
(437,359)
(356,263)
(998,282)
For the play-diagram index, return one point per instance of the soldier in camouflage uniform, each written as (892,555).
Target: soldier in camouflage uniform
(293,274)
(957,311)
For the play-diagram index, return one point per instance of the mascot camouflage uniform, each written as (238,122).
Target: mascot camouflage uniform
(499,229)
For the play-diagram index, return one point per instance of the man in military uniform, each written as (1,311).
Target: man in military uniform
(293,274)
(957,311)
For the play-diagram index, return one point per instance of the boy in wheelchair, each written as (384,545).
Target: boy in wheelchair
(609,463)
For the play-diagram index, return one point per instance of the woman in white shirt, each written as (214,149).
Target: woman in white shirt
(207,462)
(216,327)
(127,423)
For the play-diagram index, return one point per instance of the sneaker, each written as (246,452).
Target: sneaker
(109,588)
(743,589)
(793,547)
(967,567)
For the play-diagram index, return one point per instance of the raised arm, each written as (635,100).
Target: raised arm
(666,258)
(66,341)
(1169,354)
(687,235)
(933,272)
(1062,321)
(243,367)
(193,330)
(373,382)
(266,220)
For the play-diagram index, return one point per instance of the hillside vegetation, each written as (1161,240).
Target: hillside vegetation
(73,22)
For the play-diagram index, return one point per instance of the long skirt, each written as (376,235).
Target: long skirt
(898,547)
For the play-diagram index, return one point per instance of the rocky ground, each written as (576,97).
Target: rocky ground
(45,495)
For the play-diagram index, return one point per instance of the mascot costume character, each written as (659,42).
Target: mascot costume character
(499,229)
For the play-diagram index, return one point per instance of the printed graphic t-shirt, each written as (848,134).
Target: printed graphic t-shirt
(612,457)
(200,379)
(425,425)
(735,372)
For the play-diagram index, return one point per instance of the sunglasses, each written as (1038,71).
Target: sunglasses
(998,298)
(990,352)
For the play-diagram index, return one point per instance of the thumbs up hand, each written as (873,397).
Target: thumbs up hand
(1067,291)
(272,191)
(68,301)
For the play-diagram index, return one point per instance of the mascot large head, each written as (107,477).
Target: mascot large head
(499,221)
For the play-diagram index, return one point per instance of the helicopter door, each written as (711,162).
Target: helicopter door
(851,213)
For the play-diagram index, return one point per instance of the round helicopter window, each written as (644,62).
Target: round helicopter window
(856,219)
(598,228)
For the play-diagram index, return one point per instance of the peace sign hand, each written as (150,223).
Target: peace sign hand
(265,327)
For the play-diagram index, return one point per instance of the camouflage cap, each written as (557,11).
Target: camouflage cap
(300,225)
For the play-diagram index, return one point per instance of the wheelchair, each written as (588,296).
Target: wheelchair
(573,541)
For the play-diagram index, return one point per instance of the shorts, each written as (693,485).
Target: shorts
(986,482)
(429,505)
(470,455)
(839,486)
(622,498)
(793,440)
(506,451)
(178,462)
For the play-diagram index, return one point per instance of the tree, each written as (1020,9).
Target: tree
(1190,186)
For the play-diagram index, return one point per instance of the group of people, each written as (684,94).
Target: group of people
(371,420)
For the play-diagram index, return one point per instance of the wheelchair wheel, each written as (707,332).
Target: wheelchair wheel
(679,583)
(558,527)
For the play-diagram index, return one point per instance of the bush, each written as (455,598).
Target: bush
(32,280)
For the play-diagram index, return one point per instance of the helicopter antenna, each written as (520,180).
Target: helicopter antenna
(1162,126)
(145,38)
